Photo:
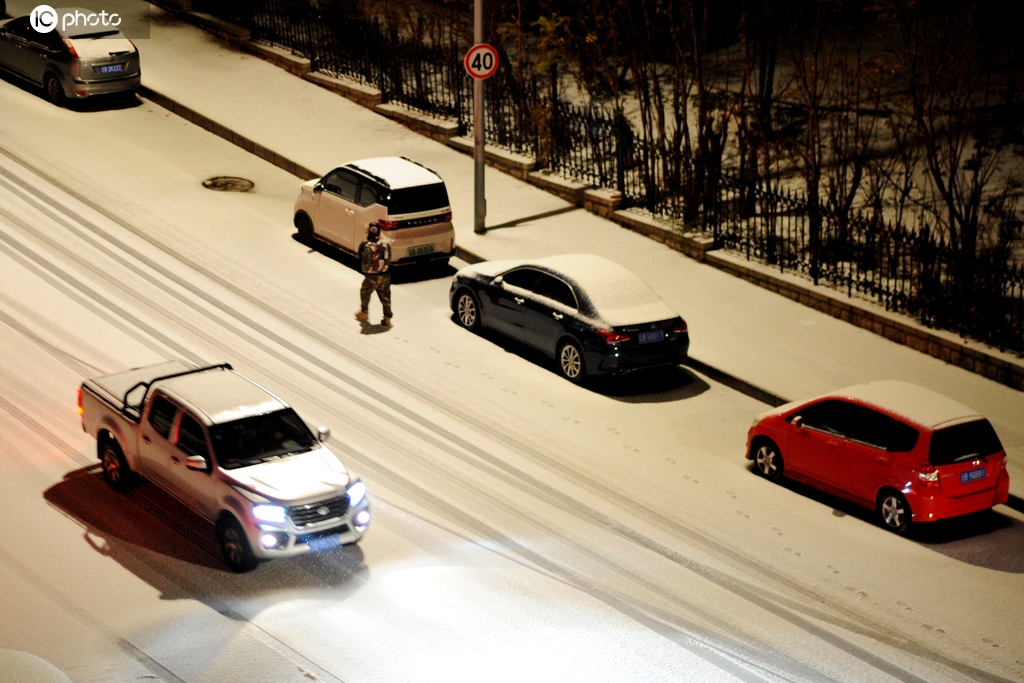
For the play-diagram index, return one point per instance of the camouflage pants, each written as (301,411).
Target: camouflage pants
(380,283)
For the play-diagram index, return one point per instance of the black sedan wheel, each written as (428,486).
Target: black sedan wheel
(467,310)
(768,461)
(893,512)
(570,362)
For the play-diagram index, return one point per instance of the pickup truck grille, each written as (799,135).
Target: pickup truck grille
(316,513)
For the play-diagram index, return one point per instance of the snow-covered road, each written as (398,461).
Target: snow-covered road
(523,527)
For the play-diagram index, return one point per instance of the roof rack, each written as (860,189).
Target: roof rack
(369,175)
(149,384)
(411,161)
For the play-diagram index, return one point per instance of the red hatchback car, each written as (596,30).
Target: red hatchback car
(908,453)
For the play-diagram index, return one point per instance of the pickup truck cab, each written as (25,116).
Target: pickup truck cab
(232,451)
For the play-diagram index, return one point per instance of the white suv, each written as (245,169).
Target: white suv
(406,199)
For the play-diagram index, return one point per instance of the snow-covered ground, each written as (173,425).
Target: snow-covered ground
(524,527)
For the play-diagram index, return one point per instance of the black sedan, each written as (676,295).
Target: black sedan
(591,315)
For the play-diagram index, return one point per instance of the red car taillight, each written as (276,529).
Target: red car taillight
(76,68)
(679,329)
(928,475)
(610,337)
(81,410)
(71,48)
(386,224)
(448,217)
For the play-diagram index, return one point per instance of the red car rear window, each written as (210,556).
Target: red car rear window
(963,442)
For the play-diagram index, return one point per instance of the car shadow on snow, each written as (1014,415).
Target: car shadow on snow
(96,103)
(400,275)
(173,549)
(986,539)
(652,385)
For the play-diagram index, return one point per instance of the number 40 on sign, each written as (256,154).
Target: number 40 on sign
(481,61)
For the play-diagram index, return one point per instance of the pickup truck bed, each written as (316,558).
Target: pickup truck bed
(111,388)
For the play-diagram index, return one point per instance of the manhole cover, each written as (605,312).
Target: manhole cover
(226,183)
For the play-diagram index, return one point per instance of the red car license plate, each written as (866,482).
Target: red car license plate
(972,475)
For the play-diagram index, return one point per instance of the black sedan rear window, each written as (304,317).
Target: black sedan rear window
(416,199)
(963,442)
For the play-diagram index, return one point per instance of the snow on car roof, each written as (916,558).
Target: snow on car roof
(916,404)
(398,171)
(223,395)
(616,294)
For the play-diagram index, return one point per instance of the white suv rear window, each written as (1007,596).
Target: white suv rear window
(416,199)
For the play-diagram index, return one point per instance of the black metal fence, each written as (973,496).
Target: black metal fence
(913,272)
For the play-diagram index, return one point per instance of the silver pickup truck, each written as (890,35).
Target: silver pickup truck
(232,451)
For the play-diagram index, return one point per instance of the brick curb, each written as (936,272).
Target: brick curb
(977,357)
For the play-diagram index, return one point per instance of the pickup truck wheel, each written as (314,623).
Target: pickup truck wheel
(233,542)
(115,467)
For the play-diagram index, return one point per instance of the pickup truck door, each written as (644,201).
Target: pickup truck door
(196,488)
(154,439)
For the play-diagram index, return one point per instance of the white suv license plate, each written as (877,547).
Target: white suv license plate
(111,69)
(652,336)
(421,250)
(972,475)
(323,543)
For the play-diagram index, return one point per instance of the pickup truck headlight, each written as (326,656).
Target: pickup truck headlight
(356,492)
(269,513)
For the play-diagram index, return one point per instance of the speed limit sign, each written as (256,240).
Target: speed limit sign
(481,61)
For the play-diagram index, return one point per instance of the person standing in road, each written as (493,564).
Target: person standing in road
(375,262)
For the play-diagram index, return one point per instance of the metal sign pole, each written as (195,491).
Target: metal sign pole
(479,200)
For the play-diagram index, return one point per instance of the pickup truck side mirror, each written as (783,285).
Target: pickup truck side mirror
(323,433)
(197,462)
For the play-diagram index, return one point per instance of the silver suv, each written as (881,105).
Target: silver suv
(73,63)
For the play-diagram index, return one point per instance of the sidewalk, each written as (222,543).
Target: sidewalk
(773,343)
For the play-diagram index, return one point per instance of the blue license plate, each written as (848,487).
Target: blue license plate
(323,543)
(972,475)
(421,250)
(652,336)
(111,69)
